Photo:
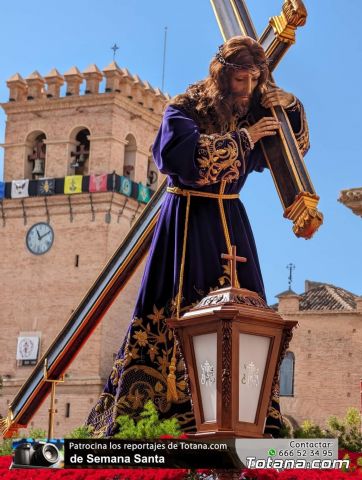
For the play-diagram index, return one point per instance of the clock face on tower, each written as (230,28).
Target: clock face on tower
(39,238)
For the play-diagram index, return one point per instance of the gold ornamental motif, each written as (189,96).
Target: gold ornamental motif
(218,159)
(293,15)
(295,12)
(304,215)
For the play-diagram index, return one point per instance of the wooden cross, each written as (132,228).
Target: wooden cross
(81,150)
(233,258)
(281,152)
(38,151)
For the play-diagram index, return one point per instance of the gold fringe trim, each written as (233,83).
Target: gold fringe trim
(5,424)
(171,377)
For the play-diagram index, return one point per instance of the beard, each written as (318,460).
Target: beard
(241,104)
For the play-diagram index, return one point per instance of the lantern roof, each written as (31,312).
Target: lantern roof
(231,298)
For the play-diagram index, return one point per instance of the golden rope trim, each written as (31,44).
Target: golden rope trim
(171,378)
(224,224)
(182,268)
(195,193)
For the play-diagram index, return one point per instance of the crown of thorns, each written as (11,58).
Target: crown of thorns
(244,66)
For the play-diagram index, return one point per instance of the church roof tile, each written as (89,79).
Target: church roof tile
(324,296)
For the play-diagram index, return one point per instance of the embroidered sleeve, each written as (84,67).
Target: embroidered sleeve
(222,157)
(298,120)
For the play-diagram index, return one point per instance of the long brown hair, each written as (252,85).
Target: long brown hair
(210,100)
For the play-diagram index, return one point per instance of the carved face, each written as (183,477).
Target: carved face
(243,84)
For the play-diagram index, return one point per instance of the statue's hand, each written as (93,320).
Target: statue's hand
(276,97)
(265,127)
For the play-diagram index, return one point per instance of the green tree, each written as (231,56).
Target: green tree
(347,430)
(84,431)
(148,427)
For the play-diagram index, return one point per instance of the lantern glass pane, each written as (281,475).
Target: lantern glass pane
(253,354)
(205,347)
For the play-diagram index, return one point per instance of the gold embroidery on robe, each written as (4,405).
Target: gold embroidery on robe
(143,369)
(219,158)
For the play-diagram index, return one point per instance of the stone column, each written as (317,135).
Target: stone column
(113,76)
(18,88)
(116,162)
(15,160)
(58,158)
(93,77)
(54,81)
(141,166)
(100,153)
(35,84)
(74,79)
(159,101)
(149,96)
(126,83)
(137,92)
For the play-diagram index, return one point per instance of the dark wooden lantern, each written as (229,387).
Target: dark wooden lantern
(232,342)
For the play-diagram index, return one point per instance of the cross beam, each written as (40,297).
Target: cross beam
(233,18)
(286,164)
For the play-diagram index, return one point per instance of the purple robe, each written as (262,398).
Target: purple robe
(192,160)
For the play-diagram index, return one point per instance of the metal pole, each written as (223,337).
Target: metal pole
(164,59)
(52,412)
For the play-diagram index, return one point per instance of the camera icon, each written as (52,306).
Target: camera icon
(36,454)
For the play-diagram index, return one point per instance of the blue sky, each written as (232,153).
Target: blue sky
(323,69)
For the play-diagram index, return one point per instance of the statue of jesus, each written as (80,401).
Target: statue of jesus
(207,145)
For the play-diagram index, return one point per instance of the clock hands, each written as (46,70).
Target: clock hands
(39,237)
(42,236)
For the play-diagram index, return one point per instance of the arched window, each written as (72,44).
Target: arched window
(35,165)
(80,156)
(286,375)
(130,157)
(152,172)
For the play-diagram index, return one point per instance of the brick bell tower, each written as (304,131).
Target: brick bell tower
(78,171)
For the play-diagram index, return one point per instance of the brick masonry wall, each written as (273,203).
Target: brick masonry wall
(327,348)
(109,117)
(39,293)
